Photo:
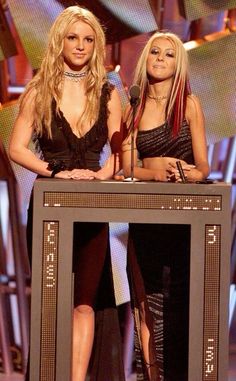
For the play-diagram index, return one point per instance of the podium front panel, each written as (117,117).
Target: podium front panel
(58,204)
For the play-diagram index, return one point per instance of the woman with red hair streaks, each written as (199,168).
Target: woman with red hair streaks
(169,127)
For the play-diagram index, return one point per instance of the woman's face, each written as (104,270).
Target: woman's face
(78,45)
(161,60)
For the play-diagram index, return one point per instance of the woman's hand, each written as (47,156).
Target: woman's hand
(191,173)
(163,168)
(76,174)
(63,175)
(102,174)
(82,174)
(161,174)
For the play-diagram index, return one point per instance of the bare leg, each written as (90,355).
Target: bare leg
(149,356)
(83,334)
(145,336)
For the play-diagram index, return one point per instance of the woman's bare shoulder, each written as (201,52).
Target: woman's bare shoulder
(28,98)
(193,101)
(193,107)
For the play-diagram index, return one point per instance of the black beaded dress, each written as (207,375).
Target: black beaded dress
(159,263)
(93,281)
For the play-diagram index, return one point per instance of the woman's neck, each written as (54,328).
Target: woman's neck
(75,69)
(159,90)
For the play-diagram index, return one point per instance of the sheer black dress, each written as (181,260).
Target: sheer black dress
(159,263)
(93,282)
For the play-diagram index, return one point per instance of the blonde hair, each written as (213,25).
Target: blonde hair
(180,88)
(48,80)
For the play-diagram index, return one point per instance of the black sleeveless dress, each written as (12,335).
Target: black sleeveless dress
(93,282)
(159,264)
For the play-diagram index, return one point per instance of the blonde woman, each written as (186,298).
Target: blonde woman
(169,127)
(71,111)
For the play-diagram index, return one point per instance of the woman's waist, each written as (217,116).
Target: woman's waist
(68,163)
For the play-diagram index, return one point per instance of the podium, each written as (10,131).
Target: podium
(60,203)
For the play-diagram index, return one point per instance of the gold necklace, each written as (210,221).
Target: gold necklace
(158,98)
(75,77)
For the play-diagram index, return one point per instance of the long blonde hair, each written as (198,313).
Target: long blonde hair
(180,88)
(48,80)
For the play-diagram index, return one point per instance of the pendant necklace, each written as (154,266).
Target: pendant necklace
(75,77)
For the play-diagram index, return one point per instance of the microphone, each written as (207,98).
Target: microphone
(134,93)
(181,172)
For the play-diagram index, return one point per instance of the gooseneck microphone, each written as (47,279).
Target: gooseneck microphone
(134,94)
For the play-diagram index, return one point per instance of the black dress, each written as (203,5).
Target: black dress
(91,255)
(159,264)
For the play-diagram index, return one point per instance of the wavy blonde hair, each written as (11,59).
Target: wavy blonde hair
(49,78)
(176,104)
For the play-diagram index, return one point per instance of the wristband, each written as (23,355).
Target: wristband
(55,171)
(56,166)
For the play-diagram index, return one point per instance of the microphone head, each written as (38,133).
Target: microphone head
(134,92)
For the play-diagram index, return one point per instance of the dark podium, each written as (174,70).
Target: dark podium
(60,203)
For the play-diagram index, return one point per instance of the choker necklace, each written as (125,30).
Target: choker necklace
(158,98)
(75,77)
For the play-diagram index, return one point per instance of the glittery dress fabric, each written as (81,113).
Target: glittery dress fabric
(93,281)
(158,270)
(160,141)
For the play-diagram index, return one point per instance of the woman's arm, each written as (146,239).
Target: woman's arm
(195,118)
(114,123)
(21,136)
(20,139)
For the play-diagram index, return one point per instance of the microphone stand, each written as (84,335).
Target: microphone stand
(134,102)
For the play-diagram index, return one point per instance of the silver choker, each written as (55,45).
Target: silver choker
(75,77)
